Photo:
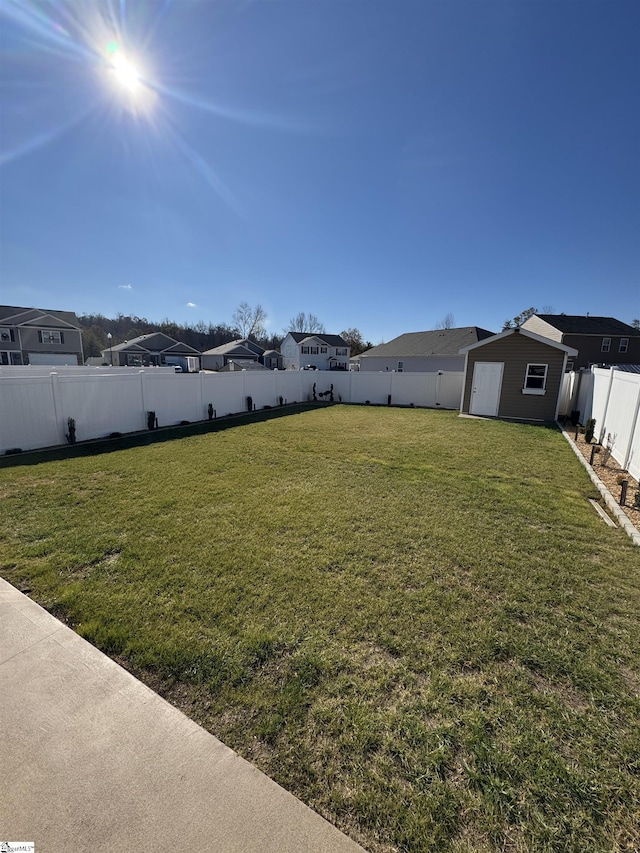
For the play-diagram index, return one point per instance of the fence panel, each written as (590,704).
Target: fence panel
(100,404)
(225,392)
(28,414)
(175,397)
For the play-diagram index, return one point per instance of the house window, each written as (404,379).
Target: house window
(313,350)
(7,335)
(50,337)
(400,366)
(305,350)
(624,345)
(606,344)
(569,366)
(341,351)
(535,379)
(323,349)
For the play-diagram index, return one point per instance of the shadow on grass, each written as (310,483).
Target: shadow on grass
(97,446)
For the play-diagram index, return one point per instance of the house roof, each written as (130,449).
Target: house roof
(272,352)
(525,333)
(439,342)
(573,324)
(237,347)
(11,315)
(329,340)
(155,342)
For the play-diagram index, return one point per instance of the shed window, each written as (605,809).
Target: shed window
(624,345)
(400,366)
(606,344)
(535,379)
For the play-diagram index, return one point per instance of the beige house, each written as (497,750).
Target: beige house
(515,375)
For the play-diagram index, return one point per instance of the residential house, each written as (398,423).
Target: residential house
(324,352)
(239,351)
(155,349)
(516,375)
(39,336)
(599,340)
(419,352)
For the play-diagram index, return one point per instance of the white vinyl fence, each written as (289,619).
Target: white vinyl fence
(35,407)
(612,397)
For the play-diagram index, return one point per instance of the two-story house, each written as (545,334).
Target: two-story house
(39,336)
(599,340)
(323,352)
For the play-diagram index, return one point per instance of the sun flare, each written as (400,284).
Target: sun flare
(126,74)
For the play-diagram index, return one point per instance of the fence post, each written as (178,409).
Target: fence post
(612,372)
(54,394)
(144,408)
(634,421)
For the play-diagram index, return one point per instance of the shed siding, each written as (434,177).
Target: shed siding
(516,351)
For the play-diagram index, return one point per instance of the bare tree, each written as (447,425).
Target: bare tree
(636,324)
(306,323)
(447,322)
(250,320)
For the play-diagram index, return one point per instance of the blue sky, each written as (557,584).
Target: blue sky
(379,164)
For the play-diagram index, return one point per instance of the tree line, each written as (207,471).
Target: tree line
(247,322)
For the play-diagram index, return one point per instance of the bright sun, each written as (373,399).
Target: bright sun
(126,73)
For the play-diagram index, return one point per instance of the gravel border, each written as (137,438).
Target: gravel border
(623,520)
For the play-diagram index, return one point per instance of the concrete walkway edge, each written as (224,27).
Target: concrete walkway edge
(93,760)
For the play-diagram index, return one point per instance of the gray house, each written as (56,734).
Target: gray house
(154,349)
(39,336)
(599,340)
(239,351)
(515,375)
(422,351)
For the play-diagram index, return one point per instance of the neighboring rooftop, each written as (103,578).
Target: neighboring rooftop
(11,315)
(441,342)
(573,324)
(329,340)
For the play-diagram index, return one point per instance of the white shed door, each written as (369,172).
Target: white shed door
(485,389)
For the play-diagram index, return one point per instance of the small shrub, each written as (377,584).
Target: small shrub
(11,451)
(115,435)
(184,423)
(589,430)
(636,500)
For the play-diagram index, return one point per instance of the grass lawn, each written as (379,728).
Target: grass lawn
(414,622)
